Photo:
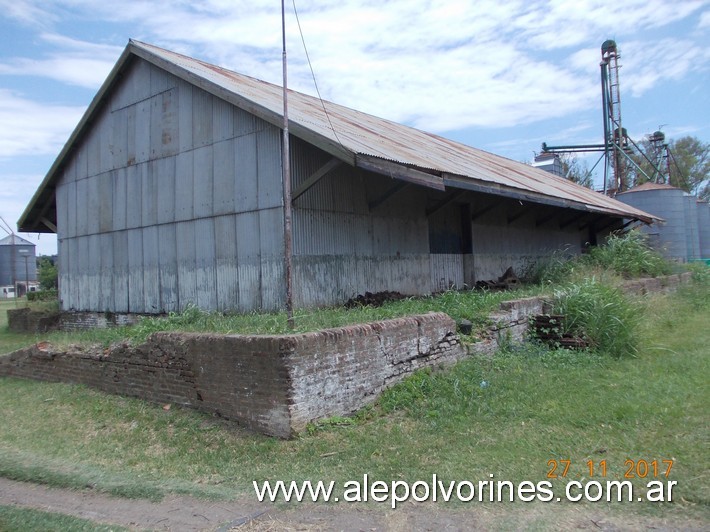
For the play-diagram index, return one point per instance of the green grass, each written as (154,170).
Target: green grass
(536,405)
(13,519)
(473,305)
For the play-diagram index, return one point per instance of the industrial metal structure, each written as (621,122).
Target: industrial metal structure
(617,145)
(684,234)
(169,192)
(18,266)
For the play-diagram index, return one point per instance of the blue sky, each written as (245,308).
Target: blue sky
(500,76)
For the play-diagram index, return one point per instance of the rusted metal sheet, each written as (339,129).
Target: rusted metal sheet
(356,133)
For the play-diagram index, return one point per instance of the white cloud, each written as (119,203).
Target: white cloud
(28,127)
(73,62)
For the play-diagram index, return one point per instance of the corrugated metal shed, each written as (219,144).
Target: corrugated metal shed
(354,137)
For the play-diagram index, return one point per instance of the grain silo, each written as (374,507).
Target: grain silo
(703,209)
(18,264)
(674,237)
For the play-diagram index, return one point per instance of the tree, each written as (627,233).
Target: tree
(47,274)
(576,170)
(687,158)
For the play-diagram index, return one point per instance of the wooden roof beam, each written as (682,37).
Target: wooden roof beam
(315,177)
(398,187)
(448,200)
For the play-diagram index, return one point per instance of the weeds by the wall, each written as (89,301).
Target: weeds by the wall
(623,254)
(601,314)
(630,255)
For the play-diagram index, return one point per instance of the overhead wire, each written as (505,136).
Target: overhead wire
(313,75)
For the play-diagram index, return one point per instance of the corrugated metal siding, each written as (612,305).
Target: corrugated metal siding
(168,266)
(227,282)
(704,229)
(446,271)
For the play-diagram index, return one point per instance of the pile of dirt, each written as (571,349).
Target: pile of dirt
(373,300)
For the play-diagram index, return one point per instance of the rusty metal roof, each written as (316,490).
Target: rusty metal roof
(364,140)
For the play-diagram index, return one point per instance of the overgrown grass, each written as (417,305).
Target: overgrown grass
(601,314)
(625,255)
(506,415)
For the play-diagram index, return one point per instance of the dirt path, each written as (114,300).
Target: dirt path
(188,514)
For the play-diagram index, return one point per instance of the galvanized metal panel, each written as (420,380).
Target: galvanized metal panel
(704,229)
(226,263)
(136,301)
(149,194)
(81,164)
(120,270)
(222,121)
(142,131)
(82,273)
(247,185)
(131,135)
(134,86)
(244,123)
(151,270)
(62,206)
(322,280)
(205,267)
(691,227)
(82,204)
(249,260)
(164,123)
(186,257)
(268,153)
(163,171)
(106,276)
(134,191)
(120,199)
(93,273)
(224,177)
(70,229)
(273,284)
(65,272)
(106,201)
(184,186)
(119,138)
(271,233)
(446,271)
(168,267)
(92,205)
(202,116)
(62,275)
(203,181)
(92,145)
(185,116)
(160,80)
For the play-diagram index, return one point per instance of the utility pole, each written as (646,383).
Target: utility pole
(286,178)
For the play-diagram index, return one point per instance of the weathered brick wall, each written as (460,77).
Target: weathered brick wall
(344,369)
(272,384)
(277,384)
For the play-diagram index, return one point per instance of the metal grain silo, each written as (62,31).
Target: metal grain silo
(703,210)
(17,261)
(692,237)
(670,203)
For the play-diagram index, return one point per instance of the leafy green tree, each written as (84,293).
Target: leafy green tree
(576,170)
(47,274)
(689,165)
